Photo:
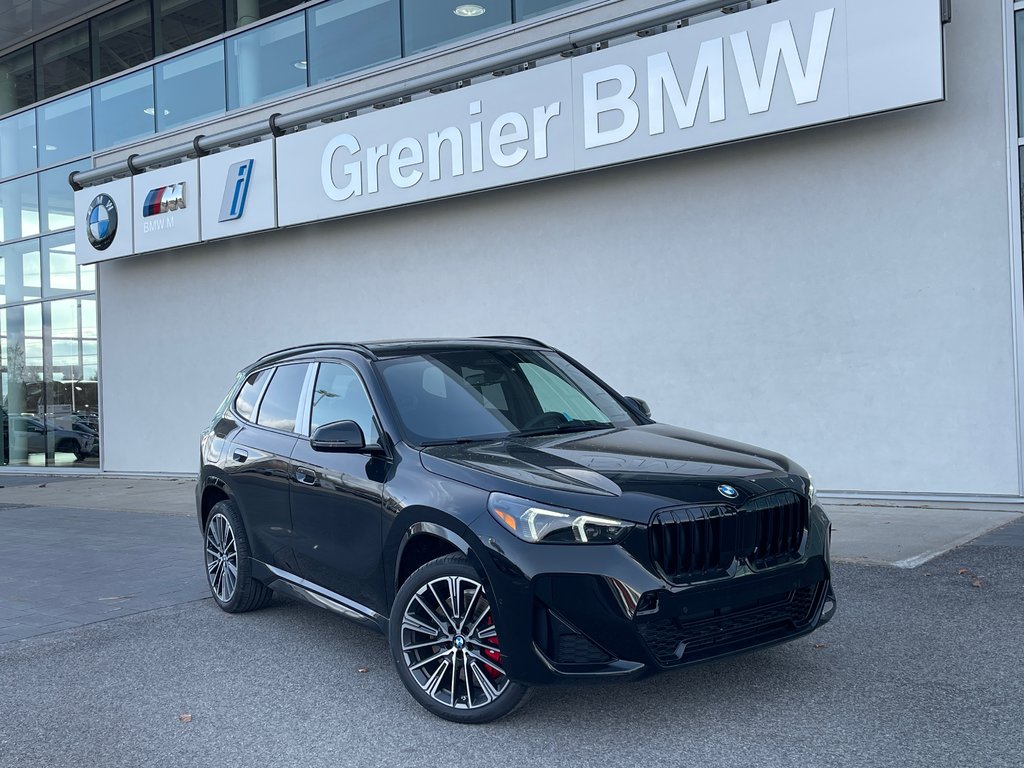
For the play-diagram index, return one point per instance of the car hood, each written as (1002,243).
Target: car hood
(651,466)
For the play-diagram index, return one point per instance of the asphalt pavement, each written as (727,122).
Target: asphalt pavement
(920,667)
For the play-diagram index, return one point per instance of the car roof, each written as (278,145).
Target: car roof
(376,350)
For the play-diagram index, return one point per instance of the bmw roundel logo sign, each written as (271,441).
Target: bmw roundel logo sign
(728,491)
(101,222)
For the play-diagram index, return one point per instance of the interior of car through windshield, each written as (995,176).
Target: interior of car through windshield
(481,393)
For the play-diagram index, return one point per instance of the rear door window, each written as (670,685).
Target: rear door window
(245,403)
(280,406)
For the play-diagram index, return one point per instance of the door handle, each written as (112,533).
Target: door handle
(305,475)
(239,455)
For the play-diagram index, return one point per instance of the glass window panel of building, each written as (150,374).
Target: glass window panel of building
(266,62)
(244,12)
(186,22)
(19,271)
(347,35)
(19,208)
(527,9)
(190,87)
(17,143)
(56,198)
(123,38)
(428,25)
(64,129)
(63,61)
(123,109)
(17,80)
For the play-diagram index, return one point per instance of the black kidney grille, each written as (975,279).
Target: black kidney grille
(694,541)
(703,541)
(778,522)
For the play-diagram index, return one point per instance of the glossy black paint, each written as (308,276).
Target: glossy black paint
(346,521)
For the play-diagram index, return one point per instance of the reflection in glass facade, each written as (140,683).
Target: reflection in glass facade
(17,80)
(64,128)
(123,109)
(347,35)
(49,364)
(425,25)
(64,61)
(190,87)
(123,37)
(19,208)
(56,199)
(268,61)
(17,143)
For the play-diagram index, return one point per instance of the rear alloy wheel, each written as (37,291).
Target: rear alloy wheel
(228,567)
(446,646)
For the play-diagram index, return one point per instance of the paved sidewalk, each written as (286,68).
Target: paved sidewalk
(62,568)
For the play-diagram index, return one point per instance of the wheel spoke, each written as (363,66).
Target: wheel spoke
(487,633)
(476,623)
(467,679)
(441,605)
(415,625)
(470,605)
(484,682)
(429,659)
(440,624)
(434,681)
(455,671)
(417,646)
(484,660)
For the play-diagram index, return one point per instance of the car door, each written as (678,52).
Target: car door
(337,497)
(258,459)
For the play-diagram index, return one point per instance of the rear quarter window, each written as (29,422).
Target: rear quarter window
(245,402)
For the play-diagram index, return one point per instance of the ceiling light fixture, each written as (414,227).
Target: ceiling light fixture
(300,64)
(468,11)
(151,111)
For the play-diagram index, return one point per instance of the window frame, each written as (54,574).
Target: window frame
(259,395)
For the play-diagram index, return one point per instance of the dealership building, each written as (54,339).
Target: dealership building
(793,223)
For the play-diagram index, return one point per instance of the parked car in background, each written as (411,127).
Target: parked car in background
(504,517)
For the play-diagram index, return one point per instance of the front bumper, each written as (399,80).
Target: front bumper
(595,612)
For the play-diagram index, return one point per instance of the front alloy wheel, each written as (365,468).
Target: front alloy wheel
(447,647)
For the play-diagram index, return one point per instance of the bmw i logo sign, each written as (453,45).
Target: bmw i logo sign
(101,222)
(728,491)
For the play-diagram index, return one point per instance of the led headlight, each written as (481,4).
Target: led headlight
(535,522)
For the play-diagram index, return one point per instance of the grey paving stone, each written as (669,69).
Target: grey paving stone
(68,567)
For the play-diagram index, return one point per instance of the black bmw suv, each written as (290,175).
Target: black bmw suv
(504,517)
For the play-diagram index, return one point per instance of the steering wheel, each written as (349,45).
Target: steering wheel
(546,419)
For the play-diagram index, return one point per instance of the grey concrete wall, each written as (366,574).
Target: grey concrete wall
(841,294)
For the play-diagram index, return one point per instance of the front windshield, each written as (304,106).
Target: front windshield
(476,394)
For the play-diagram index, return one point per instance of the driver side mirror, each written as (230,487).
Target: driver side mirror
(338,437)
(640,405)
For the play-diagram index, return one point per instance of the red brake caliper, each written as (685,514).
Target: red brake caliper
(493,655)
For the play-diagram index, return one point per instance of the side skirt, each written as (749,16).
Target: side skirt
(288,583)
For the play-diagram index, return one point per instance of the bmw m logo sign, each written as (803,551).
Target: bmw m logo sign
(164,200)
(728,491)
(101,222)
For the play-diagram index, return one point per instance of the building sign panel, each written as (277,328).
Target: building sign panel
(777,67)
(238,191)
(488,135)
(104,222)
(166,203)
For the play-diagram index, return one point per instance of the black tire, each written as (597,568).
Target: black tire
(467,641)
(238,592)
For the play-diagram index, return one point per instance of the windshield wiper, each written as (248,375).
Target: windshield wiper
(569,426)
(457,441)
